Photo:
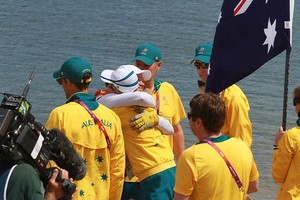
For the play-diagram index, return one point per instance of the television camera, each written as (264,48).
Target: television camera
(22,139)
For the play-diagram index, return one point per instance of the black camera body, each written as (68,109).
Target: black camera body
(22,139)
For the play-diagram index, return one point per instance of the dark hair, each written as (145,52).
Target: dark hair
(210,109)
(84,85)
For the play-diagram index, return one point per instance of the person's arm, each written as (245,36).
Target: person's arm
(165,126)
(148,119)
(282,157)
(178,140)
(180,197)
(127,99)
(253,186)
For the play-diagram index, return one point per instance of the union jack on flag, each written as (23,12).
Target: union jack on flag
(249,33)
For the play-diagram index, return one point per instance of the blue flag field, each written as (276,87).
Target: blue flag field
(249,33)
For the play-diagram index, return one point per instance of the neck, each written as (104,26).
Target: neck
(209,135)
(149,86)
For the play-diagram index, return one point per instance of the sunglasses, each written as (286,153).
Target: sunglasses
(202,64)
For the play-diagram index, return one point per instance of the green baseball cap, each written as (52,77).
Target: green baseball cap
(148,53)
(203,53)
(74,69)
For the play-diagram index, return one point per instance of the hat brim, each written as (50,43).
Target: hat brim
(145,60)
(202,58)
(105,75)
(146,74)
(57,74)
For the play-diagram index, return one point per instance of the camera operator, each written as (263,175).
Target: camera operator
(22,182)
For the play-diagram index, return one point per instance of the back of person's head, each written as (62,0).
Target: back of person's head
(210,109)
(296,99)
(148,53)
(77,70)
(203,53)
(123,80)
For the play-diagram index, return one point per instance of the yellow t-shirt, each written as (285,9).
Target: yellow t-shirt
(105,168)
(169,105)
(237,122)
(149,151)
(285,167)
(202,173)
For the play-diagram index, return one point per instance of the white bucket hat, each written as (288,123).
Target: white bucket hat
(123,79)
(145,73)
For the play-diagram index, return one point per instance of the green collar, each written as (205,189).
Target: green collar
(157,84)
(298,121)
(222,138)
(87,99)
(200,83)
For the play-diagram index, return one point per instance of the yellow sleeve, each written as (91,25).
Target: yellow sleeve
(237,123)
(186,174)
(282,158)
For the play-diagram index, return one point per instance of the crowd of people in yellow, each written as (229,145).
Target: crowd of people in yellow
(132,142)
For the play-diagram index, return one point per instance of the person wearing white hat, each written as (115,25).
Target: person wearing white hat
(148,151)
(125,80)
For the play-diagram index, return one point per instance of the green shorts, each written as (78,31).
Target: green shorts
(159,186)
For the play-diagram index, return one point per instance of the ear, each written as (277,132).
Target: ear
(198,122)
(159,65)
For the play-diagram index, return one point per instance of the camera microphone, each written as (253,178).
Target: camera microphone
(72,161)
(63,152)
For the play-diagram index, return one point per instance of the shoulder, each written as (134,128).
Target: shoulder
(234,93)
(167,85)
(233,90)
(293,133)
(25,170)
(24,183)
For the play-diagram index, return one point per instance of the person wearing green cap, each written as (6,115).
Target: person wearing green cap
(149,154)
(168,103)
(237,122)
(94,130)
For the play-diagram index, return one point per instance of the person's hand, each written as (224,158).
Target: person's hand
(100,92)
(54,189)
(278,135)
(145,120)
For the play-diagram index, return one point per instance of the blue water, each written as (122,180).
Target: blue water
(44,34)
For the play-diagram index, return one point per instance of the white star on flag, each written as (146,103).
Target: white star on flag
(270,32)
(220,17)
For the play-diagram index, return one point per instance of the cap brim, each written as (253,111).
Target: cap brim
(57,74)
(105,75)
(203,58)
(146,74)
(145,60)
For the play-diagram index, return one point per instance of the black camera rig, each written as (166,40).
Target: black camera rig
(22,139)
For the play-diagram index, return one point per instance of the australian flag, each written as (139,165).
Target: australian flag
(249,33)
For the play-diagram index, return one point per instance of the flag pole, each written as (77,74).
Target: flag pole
(286,83)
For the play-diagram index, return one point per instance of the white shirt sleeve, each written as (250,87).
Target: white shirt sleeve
(165,126)
(113,100)
(144,99)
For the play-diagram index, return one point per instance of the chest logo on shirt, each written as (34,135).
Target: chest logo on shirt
(91,122)
(165,100)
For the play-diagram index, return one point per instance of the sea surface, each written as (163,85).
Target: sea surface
(43,34)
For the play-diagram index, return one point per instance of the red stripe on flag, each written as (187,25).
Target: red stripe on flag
(238,8)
